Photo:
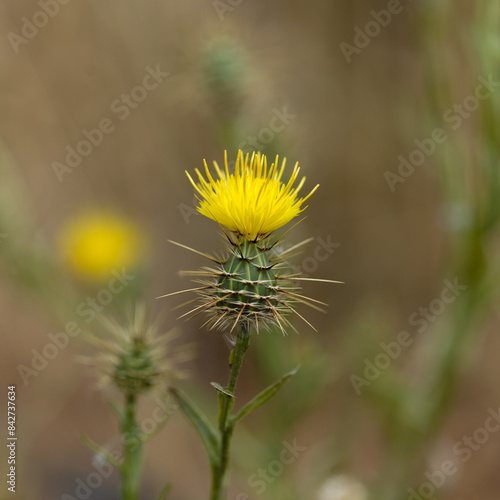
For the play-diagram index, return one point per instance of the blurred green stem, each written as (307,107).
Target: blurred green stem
(132,462)
(226,424)
(443,386)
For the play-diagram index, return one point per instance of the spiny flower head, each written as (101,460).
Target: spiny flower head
(253,201)
(135,358)
(253,286)
(251,289)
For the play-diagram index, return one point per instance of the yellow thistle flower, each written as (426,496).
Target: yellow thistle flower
(254,287)
(96,243)
(253,202)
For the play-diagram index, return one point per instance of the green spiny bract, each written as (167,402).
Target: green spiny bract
(251,288)
(248,289)
(247,280)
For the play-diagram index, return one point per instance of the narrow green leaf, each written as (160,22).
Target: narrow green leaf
(201,424)
(263,397)
(99,450)
(218,387)
(165,491)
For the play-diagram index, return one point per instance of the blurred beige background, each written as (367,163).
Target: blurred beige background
(349,123)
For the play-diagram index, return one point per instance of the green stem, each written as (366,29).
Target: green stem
(132,462)
(226,425)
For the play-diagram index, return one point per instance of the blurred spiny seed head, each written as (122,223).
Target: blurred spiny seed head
(134,357)
(135,370)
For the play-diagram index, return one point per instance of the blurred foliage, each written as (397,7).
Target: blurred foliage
(353,120)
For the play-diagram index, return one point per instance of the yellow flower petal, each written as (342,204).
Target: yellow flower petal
(253,202)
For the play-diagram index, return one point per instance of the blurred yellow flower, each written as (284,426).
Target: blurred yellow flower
(96,243)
